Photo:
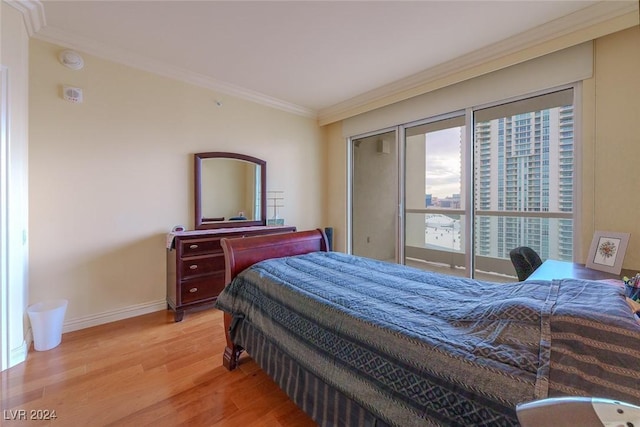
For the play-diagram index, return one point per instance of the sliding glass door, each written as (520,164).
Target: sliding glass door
(374,195)
(524,172)
(435,231)
(470,187)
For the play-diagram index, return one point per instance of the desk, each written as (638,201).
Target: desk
(553,269)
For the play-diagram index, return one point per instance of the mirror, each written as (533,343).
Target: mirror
(230,190)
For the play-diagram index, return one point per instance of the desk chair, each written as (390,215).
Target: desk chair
(525,260)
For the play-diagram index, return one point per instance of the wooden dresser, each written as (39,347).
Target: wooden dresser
(195,265)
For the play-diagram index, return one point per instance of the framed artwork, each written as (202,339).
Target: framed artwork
(607,251)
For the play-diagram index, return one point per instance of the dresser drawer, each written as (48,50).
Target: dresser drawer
(200,246)
(197,266)
(202,288)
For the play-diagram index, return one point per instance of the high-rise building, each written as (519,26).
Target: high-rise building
(525,163)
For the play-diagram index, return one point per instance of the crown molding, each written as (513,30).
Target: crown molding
(494,57)
(576,28)
(32,13)
(125,57)
(122,56)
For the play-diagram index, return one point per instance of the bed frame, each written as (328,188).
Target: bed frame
(240,253)
(328,400)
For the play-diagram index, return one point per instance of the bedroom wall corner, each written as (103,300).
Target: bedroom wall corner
(109,177)
(610,133)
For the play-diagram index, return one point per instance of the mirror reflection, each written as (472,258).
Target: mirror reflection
(229,190)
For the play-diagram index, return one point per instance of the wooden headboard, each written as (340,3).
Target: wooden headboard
(240,253)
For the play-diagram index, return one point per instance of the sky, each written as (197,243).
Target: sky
(442,174)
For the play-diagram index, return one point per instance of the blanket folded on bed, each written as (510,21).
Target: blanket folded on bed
(410,345)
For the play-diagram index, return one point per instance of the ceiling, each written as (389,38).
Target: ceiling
(302,56)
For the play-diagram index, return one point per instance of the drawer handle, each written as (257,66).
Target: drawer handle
(193,290)
(193,266)
(193,246)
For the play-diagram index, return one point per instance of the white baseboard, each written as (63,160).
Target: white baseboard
(112,316)
(19,354)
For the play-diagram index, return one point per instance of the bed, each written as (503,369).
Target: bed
(360,342)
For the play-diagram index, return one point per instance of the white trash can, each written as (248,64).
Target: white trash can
(46,323)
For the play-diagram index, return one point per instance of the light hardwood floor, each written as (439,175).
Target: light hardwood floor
(145,370)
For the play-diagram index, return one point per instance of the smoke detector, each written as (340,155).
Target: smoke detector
(72,94)
(71,59)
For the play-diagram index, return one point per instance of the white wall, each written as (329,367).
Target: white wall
(109,177)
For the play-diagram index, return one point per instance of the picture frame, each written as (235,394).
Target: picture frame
(607,251)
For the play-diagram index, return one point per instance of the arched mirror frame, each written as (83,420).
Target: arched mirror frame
(197,169)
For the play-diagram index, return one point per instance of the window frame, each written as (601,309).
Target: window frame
(468,186)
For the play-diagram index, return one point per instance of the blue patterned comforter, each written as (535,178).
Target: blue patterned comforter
(418,348)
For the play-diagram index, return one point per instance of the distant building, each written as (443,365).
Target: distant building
(525,164)
(450,202)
